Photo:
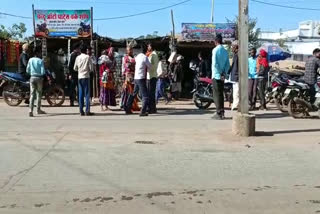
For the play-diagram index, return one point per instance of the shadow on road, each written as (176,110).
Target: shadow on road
(272,133)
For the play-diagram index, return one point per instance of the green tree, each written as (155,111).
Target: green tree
(17,31)
(281,43)
(254,32)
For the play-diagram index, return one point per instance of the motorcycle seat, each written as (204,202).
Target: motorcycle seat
(206,80)
(16,76)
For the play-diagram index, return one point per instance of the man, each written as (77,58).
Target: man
(234,75)
(35,68)
(204,68)
(263,70)
(152,78)
(253,82)
(162,72)
(220,67)
(310,76)
(23,61)
(142,67)
(73,76)
(92,79)
(83,65)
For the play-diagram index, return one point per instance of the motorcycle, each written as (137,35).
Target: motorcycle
(299,97)
(203,92)
(16,89)
(84,28)
(43,28)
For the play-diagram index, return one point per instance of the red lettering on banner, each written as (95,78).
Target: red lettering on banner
(84,16)
(52,16)
(41,16)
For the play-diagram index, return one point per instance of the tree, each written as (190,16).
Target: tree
(17,31)
(253,32)
(281,43)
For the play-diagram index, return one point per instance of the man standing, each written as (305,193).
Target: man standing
(253,82)
(263,70)
(152,78)
(204,68)
(310,76)
(35,68)
(23,61)
(234,78)
(143,66)
(83,65)
(73,75)
(220,67)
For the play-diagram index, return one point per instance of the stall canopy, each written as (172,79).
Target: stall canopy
(275,52)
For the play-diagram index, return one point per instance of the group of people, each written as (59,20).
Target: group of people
(222,70)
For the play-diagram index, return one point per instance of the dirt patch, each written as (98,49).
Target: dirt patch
(125,198)
(75,199)
(13,206)
(39,205)
(3,207)
(137,195)
(199,202)
(145,142)
(106,199)
(86,200)
(96,198)
(156,194)
(314,201)
(318,187)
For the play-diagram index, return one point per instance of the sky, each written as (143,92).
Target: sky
(269,18)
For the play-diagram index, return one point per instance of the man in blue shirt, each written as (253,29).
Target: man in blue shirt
(35,69)
(220,67)
(253,81)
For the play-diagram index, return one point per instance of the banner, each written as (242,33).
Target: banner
(62,23)
(207,31)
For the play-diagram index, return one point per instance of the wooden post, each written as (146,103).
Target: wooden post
(243,123)
(243,55)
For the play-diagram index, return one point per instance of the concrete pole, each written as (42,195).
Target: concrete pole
(243,123)
(212,11)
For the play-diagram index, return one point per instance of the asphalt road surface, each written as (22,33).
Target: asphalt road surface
(178,161)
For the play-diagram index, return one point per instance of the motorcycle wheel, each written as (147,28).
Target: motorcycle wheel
(9,100)
(200,105)
(55,96)
(280,105)
(296,110)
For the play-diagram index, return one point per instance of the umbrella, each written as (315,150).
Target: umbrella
(275,52)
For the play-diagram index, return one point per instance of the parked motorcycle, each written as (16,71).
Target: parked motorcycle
(43,28)
(16,89)
(203,92)
(299,96)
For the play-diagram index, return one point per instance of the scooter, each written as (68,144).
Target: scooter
(84,28)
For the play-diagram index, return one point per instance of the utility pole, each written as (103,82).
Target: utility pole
(212,11)
(243,122)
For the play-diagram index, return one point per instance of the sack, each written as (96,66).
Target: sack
(104,78)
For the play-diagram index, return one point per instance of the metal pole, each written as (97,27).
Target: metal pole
(34,27)
(212,11)
(243,55)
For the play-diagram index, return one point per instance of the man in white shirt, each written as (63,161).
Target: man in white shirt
(152,79)
(143,66)
(83,65)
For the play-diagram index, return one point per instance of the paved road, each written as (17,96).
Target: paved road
(179,161)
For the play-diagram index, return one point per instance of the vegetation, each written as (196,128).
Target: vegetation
(17,31)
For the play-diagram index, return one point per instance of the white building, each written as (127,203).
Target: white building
(300,42)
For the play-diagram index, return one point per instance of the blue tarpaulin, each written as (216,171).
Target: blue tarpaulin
(275,52)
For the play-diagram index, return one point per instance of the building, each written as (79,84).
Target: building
(300,42)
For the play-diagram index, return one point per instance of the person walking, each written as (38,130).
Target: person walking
(35,68)
(162,72)
(152,78)
(253,81)
(73,75)
(107,88)
(83,65)
(234,75)
(220,67)
(143,66)
(310,76)
(262,69)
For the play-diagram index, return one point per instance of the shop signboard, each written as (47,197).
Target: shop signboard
(63,23)
(208,31)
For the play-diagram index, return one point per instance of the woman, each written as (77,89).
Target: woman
(262,70)
(107,91)
(128,68)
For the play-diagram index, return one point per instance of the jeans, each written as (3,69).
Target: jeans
(72,89)
(252,84)
(152,85)
(218,87)
(139,86)
(262,93)
(36,84)
(84,93)
(161,87)
(235,89)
